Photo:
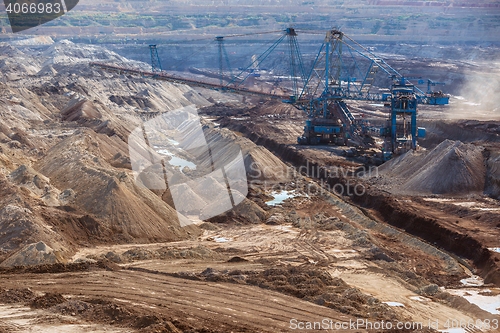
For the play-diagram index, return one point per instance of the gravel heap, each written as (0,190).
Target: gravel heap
(452,167)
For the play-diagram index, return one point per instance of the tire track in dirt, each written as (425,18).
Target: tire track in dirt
(306,245)
(229,304)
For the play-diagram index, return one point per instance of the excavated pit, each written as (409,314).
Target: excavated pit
(394,211)
(91,242)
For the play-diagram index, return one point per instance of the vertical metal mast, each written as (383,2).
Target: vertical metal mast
(155,59)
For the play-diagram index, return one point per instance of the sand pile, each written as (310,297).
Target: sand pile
(245,212)
(186,200)
(9,51)
(260,163)
(32,255)
(37,184)
(263,165)
(27,214)
(111,196)
(31,179)
(15,64)
(77,109)
(60,182)
(65,51)
(451,168)
(39,40)
(20,225)
(209,188)
(220,204)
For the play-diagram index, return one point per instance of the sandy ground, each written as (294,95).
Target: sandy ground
(180,290)
(17,318)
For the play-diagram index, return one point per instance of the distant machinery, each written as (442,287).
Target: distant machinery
(436,97)
(155,59)
(332,80)
(330,120)
(402,130)
(342,70)
(222,56)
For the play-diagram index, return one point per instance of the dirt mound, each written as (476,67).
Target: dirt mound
(78,109)
(308,283)
(451,168)
(261,164)
(20,226)
(209,188)
(164,253)
(208,226)
(16,296)
(24,175)
(107,194)
(32,255)
(97,310)
(47,301)
(138,254)
(68,52)
(199,252)
(61,267)
(467,131)
(7,50)
(38,185)
(15,64)
(191,204)
(237,259)
(245,212)
(39,40)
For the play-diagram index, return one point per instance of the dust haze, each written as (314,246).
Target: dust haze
(479,96)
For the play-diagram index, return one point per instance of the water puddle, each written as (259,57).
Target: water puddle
(182,163)
(172,141)
(285,228)
(221,239)
(484,298)
(419,299)
(395,304)
(177,161)
(473,281)
(281,196)
(495,249)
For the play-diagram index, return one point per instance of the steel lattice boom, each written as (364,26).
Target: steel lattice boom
(342,70)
